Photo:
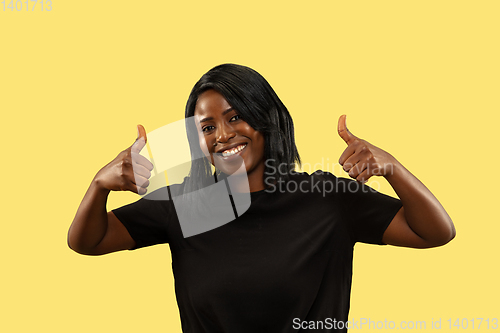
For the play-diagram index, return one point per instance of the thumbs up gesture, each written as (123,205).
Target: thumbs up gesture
(129,171)
(362,159)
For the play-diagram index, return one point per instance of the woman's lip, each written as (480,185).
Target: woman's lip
(230,147)
(225,158)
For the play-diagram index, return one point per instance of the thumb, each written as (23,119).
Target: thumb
(344,133)
(141,140)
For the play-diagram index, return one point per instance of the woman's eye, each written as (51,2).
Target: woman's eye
(207,128)
(236,117)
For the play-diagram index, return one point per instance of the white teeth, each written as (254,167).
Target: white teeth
(233,151)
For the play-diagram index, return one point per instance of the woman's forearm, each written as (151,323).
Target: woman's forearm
(423,212)
(129,171)
(90,223)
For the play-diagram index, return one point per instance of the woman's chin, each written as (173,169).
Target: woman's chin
(234,166)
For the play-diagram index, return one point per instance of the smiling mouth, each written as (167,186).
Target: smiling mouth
(233,151)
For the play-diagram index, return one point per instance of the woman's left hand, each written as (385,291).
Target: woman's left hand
(361,159)
(422,222)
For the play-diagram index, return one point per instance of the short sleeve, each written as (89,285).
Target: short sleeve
(146,221)
(367,212)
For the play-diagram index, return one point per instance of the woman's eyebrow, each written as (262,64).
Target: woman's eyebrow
(223,113)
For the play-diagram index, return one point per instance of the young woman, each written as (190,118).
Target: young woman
(287,260)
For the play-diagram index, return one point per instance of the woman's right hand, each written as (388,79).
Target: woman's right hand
(129,171)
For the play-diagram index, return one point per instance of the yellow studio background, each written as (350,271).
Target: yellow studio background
(419,79)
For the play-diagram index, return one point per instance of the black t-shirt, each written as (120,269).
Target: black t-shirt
(283,264)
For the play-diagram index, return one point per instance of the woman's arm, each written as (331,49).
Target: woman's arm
(94,231)
(422,222)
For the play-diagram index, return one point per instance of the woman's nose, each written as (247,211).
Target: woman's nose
(224,133)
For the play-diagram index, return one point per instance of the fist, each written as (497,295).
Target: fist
(361,159)
(129,171)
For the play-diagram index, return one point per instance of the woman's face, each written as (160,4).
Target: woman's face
(235,140)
